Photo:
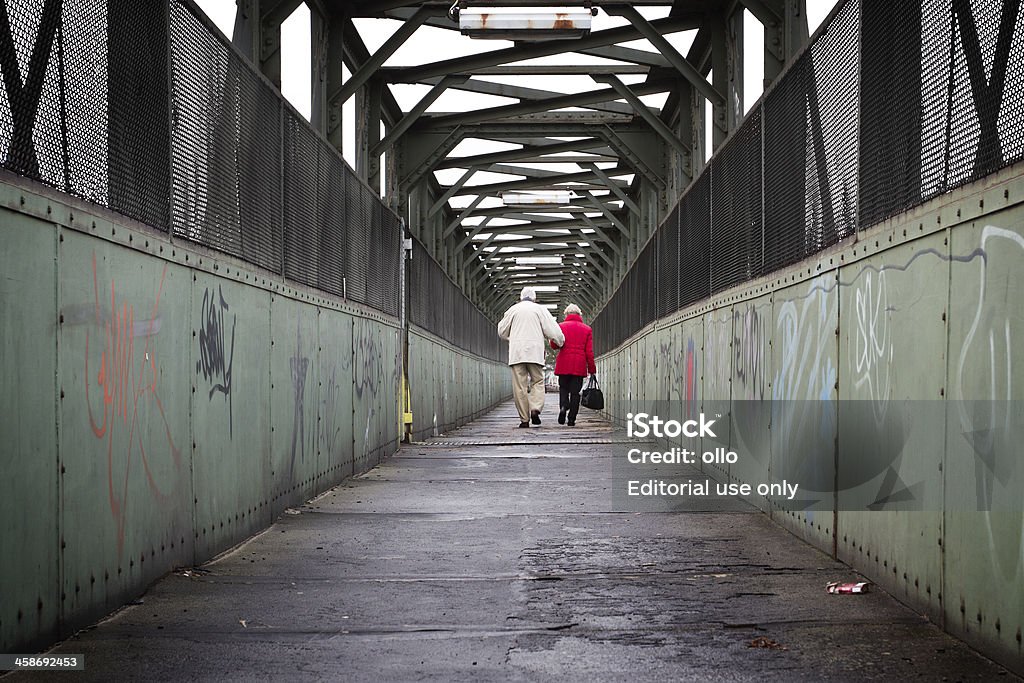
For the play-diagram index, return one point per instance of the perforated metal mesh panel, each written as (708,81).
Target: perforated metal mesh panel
(695,242)
(301,206)
(832,123)
(890,142)
(440,307)
(226,147)
(331,218)
(668,265)
(893,104)
(647,276)
(736,226)
(145,108)
(136,148)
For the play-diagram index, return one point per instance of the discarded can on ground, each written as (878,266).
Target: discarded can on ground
(837,588)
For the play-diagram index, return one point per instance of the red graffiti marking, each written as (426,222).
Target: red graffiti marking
(128,389)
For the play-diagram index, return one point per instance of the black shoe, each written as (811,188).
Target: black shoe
(535,417)
(524,425)
(561,417)
(572,423)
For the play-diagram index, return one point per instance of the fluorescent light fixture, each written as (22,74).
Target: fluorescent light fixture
(546,25)
(538,260)
(555,198)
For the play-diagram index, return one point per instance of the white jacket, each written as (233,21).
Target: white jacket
(527,326)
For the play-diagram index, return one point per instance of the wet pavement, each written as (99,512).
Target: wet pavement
(494,553)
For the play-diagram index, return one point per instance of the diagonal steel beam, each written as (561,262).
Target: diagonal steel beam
(450,192)
(763,12)
(659,126)
(658,40)
(476,230)
(443,148)
(615,189)
(535,106)
(544,49)
(597,229)
(414,114)
(627,54)
(631,158)
(523,171)
(466,213)
(377,59)
(522,93)
(564,69)
(492,188)
(526,150)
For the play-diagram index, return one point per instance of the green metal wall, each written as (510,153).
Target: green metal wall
(162,403)
(920,312)
(449,386)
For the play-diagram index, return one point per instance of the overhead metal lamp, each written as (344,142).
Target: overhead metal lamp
(533,199)
(505,25)
(538,260)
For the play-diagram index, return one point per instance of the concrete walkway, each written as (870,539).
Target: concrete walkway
(491,554)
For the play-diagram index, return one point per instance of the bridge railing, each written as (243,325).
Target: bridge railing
(888,107)
(440,307)
(148,110)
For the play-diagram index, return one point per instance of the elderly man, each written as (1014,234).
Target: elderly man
(526,326)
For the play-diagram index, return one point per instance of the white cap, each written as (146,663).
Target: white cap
(528,293)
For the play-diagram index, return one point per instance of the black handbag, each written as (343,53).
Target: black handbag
(592,396)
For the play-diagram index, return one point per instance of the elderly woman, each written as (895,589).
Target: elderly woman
(575,360)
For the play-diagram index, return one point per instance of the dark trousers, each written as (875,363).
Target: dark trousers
(569,388)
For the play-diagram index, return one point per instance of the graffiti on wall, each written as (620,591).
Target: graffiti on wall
(749,343)
(717,356)
(367,375)
(122,395)
(871,359)
(216,350)
(987,418)
(299,367)
(331,424)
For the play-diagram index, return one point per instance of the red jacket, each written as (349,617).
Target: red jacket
(576,357)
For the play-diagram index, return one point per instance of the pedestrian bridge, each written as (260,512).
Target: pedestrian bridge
(254,401)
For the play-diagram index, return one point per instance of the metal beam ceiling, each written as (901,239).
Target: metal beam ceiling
(630,159)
